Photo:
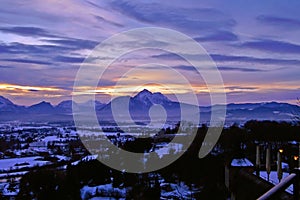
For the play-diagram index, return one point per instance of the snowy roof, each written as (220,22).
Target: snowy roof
(241,162)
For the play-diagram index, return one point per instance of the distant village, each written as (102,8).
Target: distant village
(25,147)
(30,151)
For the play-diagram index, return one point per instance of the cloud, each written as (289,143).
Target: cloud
(36,53)
(47,36)
(172,56)
(33,90)
(188,19)
(95,5)
(68,59)
(5,67)
(4,48)
(218,36)
(186,68)
(279,21)
(237,59)
(26,31)
(221,68)
(102,19)
(233,88)
(272,46)
(263,95)
(226,68)
(19,60)
(56,46)
(29,49)
(247,59)
(73,43)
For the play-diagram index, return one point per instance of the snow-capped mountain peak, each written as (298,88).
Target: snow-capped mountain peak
(4,101)
(65,104)
(91,102)
(148,97)
(143,94)
(41,107)
(8,106)
(158,98)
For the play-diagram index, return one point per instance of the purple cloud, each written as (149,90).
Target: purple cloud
(272,46)
(247,59)
(188,19)
(240,69)
(18,60)
(102,19)
(218,36)
(73,43)
(68,59)
(279,21)
(237,59)
(27,31)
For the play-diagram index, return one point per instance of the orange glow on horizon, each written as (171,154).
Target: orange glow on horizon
(122,90)
(27,88)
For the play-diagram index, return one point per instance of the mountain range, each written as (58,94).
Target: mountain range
(140,107)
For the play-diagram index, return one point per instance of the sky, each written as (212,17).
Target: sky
(255,45)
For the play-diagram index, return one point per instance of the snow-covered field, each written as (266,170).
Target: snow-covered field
(85,159)
(242,162)
(104,191)
(10,189)
(19,163)
(107,191)
(4,175)
(174,148)
(177,191)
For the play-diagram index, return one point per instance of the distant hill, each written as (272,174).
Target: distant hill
(41,108)
(141,109)
(7,106)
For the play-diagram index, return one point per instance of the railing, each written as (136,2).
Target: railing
(293,178)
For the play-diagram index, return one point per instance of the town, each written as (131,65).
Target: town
(31,150)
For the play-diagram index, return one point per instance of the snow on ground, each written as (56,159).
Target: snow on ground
(10,189)
(51,138)
(84,159)
(274,179)
(102,191)
(19,163)
(164,150)
(284,165)
(241,162)
(31,127)
(3,175)
(61,158)
(176,191)
(54,138)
